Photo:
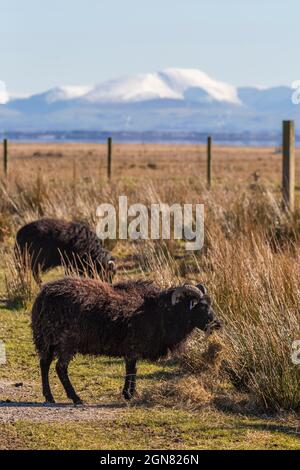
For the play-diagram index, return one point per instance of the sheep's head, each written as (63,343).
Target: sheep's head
(197,304)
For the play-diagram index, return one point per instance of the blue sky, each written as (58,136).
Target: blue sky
(44,43)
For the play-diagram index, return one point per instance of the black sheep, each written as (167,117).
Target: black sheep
(134,320)
(51,242)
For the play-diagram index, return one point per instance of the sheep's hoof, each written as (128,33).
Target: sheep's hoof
(127,395)
(77,401)
(49,400)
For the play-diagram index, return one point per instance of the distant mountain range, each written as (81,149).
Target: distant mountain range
(170,101)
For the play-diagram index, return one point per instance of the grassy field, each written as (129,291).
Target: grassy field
(238,390)
(144,161)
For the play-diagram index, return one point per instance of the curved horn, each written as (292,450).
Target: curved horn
(111,265)
(194,291)
(202,288)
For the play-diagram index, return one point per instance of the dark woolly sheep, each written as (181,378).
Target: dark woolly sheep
(52,242)
(134,320)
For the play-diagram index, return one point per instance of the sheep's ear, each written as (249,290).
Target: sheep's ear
(202,288)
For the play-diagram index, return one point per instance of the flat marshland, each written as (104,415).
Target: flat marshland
(238,389)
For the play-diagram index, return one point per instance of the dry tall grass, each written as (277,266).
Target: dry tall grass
(20,285)
(250,264)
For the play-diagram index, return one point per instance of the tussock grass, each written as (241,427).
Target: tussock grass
(20,285)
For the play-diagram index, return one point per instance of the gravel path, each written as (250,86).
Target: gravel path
(17,407)
(39,413)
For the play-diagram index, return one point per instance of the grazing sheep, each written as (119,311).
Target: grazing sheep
(134,320)
(52,242)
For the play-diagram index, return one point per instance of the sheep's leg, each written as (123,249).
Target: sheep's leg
(45,363)
(129,385)
(62,372)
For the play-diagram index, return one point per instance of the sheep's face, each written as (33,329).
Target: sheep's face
(203,316)
(197,306)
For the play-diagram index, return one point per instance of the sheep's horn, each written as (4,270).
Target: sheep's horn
(194,291)
(202,288)
(111,265)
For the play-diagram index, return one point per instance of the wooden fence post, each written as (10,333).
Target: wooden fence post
(288,164)
(209,155)
(5,156)
(109,157)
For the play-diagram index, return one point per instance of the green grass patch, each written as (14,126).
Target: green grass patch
(137,428)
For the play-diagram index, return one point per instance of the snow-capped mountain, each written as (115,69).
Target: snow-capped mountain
(167,84)
(170,100)
(66,93)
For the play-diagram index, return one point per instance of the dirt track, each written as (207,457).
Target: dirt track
(38,412)
(16,408)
